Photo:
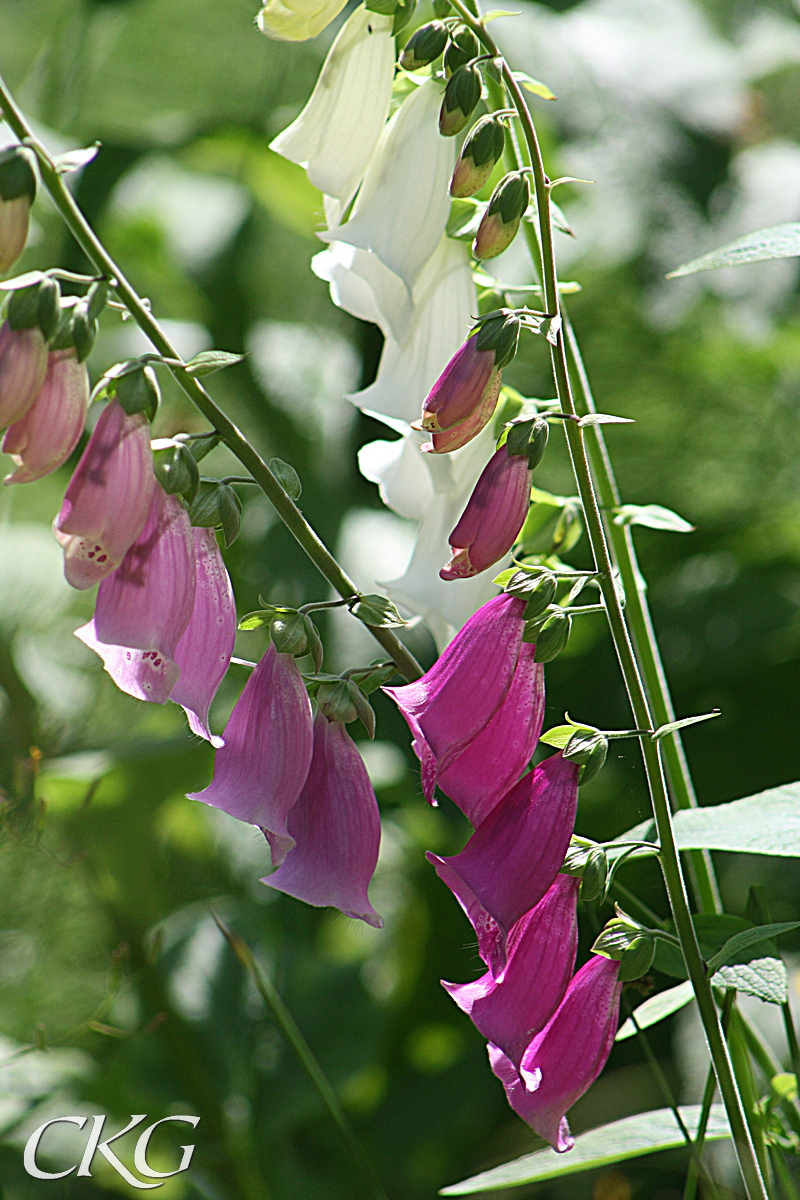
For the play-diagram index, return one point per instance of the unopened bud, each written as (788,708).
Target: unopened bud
(461,97)
(137,391)
(464,46)
(500,222)
(424,46)
(39,304)
(587,748)
(336,702)
(441,8)
(637,959)
(217,505)
(550,635)
(17,191)
(500,334)
(176,470)
(595,873)
(482,149)
(48,307)
(83,330)
(288,632)
(537,442)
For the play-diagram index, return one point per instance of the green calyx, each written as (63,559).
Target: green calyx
(464,46)
(500,334)
(176,469)
(538,591)
(137,390)
(550,632)
(17,176)
(424,46)
(216,506)
(528,436)
(485,142)
(629,944)
(587,748)
(39,304)
(510,198)
(461,98)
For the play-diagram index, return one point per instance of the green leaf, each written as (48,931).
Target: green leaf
(560,735)
(287,477)
(644,1133)
(654,516)
(209,361)
(73,160)
(604,419)
(534,85)
(255,620)
(663,730)
(713,931)
(465,217)
(779,241)
(502,579)
(746,939)
(378,612)
(767,823)
(656,1009)
(765,978)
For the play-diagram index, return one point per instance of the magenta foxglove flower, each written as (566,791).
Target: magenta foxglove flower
(108,498)
(144,607)
(541,958)
(204,652)
(494,515)
(23,365)
(514,855)
(456,699)
(43,439)
(491,763)
(459,435)
(563,1061)
(263,763)
(336,827)
(464,386)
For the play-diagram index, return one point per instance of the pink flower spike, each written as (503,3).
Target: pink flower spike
(23,365)
(108,498)
(464,385)
(494,515)
(514,855)
(563,1061)
(50,430)
(203,654)
(541,959)
(456,699)
(144,607)
(263,763)
(337,829)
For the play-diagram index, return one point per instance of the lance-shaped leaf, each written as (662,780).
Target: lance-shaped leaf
(779,241)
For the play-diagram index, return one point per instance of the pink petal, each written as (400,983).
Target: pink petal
(144,674)
(23,364)
(45,437)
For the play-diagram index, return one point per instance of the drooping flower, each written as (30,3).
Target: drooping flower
(541,959)
(336,827)
(143,608)
(483,148)
(43,439)
(464,387)
(514,855)
(337,131)
(565,1058)
(460,435)
(297,20)
(23,365)
(108,498)
(204,652)
(494,515)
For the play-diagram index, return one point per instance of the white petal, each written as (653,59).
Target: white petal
(401,474)
(297,20)
(363,286)
(337,131)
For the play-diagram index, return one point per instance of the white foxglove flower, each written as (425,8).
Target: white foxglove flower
(402,208)
(297,20)
(337,131)
(364,287)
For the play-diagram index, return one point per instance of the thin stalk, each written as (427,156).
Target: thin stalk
(670,859)
(783,1174)
(791,1038)
(690,1190)
(233,438)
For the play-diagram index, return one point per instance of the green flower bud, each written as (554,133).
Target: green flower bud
(217,505)
(39,304)
(137,391)
(83,330)
(17,176)
(481,151)
(464,46)
(176,470)
(595,873)
(288,632)
(336,702)
(588,748)
(500,222)
(537,442)
(17,190)
(528,436)
(539,596)
(637,959)
(551,635)
(442,8)
(461,97)
(424,46)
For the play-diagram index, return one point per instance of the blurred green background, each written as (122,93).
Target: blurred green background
(117,992)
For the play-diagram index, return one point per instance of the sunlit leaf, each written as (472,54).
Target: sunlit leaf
(656,1009)
(779,241)
(533,85)
(765,978)
(209,361)
(73,160)
(654,516)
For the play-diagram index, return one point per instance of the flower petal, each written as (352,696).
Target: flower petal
(50,430)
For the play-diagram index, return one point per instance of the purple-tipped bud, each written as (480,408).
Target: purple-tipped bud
(514,855)
(23,366)
(459,435)
(456,699)
(541,959)
(500,222)
(17,191)
(563,1061)
(463,388)
(494,515)
(204,652)
(143,608)
(44,438)
(482,149)
(108,498)
(260,770)
(337,830)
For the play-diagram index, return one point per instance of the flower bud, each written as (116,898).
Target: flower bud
(461,97)
(459,435)
(482,149)
(464,46)
(469,381)
(538,591)
(23,365)
(36,306)
(17,192)
(588,748)
(83,330)
(336,702)
(424,46)
(41,440)
(550,635)
(288,631)
(501,334)
(137,392)
(529,436)
(494,515)
(595,873)
(500,222)
(176,469)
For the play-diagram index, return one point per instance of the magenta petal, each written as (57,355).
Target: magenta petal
(260,770)
(337,829)
(461,388)
(524,1103)
(494,515)
(487,768)
(46,435)
(204,652)
(491,938)
(457,698)
(541,959)
(144,674)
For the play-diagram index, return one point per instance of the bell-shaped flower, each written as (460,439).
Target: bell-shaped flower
(565,1058)
(108,498)
(514,855)
(464,387)
(143,608)
(363,286)
(43,439)
(541,959)
(337,131)
(297,20)
(460,435)
(203,654)
(336,827)
(456,699)
(23,366)
(261,768)
(494,515)
(402,208)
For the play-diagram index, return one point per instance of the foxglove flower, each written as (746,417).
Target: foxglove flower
(514,855)
(563,1061)
(297,20)
(262,766)
(541,959)
(466,385)
(337,131)
(460,435)
(144,607)
(23,366)
(204,652)
(494,515)
(43,439)
(336,827)
(108,498)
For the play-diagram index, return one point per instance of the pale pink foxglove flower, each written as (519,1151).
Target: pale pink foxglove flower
(493,518)
(23,366)
(43,439)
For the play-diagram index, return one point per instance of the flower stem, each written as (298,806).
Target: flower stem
(233,438)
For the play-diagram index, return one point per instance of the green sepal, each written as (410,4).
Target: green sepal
(287,477)
(83,330)
(335,701)
(258,618)
(136,389)
(377,611)
(403,12)
(96,298)
(537,443)
(550,635)
(201,446)
(461,97)
(637,959)
(230,513)
(511,197)
(464,46)
(587,748)
(519,435)
(500,333)
(538,590)
(287,629)
(370,678)
(216,505)
(485,142)
(37,304)
(17,176)
(177,471)
(424,46)
(315,647)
